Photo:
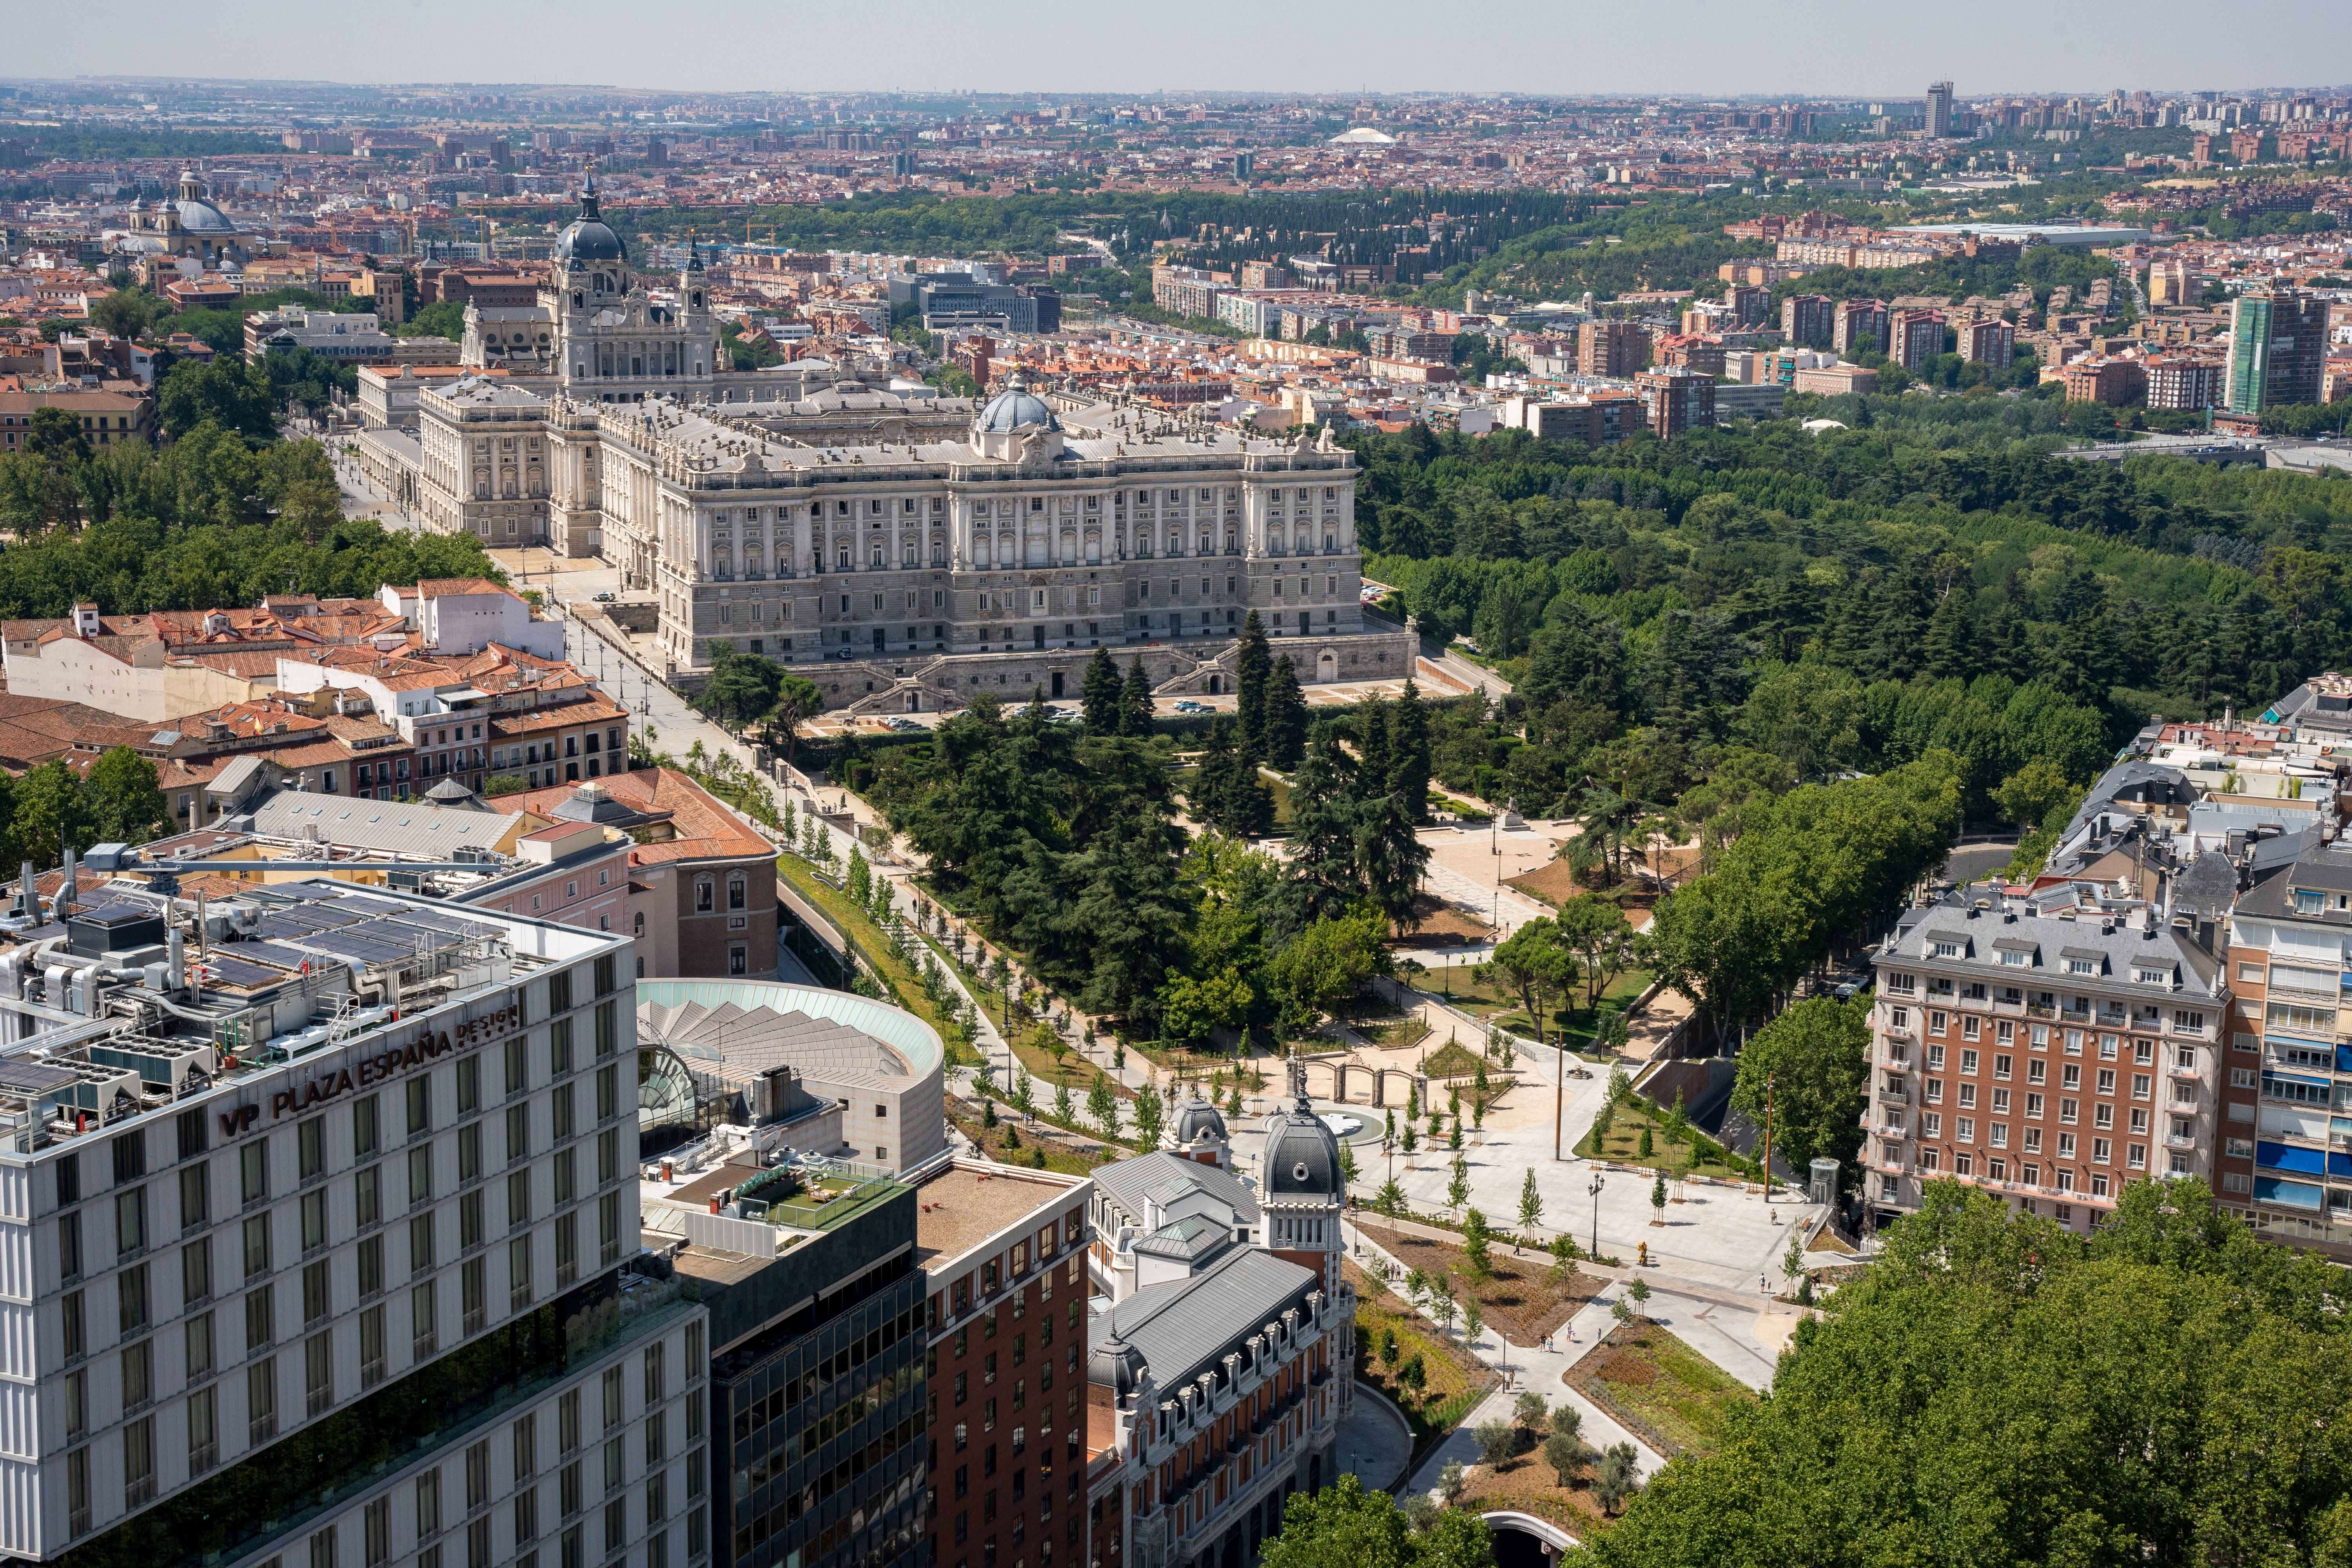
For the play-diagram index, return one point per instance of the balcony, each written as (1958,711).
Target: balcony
(2178,1142)
(1898,1093)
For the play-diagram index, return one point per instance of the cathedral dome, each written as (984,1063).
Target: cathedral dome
(199,217)
(1015,408)
(589,237)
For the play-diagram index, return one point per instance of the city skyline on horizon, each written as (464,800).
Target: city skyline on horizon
(1697,50)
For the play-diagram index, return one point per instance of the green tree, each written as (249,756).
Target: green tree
(1457,1183)
(1150,1117)
(1816,1056)
(223,391)
(1102,1106)
(51,816)
(1326,963)
(741,687)
(797,701)
(1286,716)
(124,804)
(1389,1200)
(1101,703)
(1532,962)
(1253,663)
(1346,1526)
(1530,1204)
(1594,930)
(54,436)
(1477,1245)
(1136,708)
(1322,864)
(1567,1458)
(1657,1196)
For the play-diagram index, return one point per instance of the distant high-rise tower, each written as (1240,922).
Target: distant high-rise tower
(1939,108)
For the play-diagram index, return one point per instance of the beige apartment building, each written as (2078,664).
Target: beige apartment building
(2047,1059)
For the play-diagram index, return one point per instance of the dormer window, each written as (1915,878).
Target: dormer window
(1947,950)
(2074,965)
(2308,901)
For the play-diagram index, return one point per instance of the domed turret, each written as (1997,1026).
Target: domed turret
(1302,1157)
(1117,1366)
(1198,1131)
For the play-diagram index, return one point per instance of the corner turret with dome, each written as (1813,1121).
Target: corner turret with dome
(1197,1131)
(1304,1186)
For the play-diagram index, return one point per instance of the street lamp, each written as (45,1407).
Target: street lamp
(1599,1182)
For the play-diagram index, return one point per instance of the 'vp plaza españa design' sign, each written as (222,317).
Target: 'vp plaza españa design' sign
(426,1046)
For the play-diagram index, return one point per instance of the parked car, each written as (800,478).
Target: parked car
(607,597)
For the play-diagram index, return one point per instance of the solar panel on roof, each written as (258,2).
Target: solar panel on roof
(271,952)
(22,1075)
(228,970)
(360,949)
(367,905)
(405,935)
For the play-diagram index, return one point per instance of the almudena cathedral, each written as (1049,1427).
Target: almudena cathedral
(912,550)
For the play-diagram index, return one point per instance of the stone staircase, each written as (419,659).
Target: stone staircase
(1192,675)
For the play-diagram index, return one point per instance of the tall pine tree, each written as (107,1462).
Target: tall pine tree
(1323,828)
(1946,651)
(1100,702)
(1135,708)
(1252,664)
(1373,757)
(1286,716)
(1409,752)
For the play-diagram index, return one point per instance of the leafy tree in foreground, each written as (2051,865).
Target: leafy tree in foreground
(1817,1055)
(2168,1390)
(1345,1526)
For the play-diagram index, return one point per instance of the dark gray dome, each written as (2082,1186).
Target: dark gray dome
(1302,1158)
(589,237)
(1015,408)
(1197,1118)
(1117,1366)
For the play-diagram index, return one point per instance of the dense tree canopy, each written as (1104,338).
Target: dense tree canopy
(1997,1391)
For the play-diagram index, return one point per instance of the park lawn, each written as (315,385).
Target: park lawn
(1701,1156)
(1674,1398)
(1454,1381)
(905,985)
(1519,1300)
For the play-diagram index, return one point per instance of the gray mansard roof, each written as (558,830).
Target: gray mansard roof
(1184,1328)
(2118,947)
(1158,1176)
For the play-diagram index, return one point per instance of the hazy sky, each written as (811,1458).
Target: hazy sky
(1693,46)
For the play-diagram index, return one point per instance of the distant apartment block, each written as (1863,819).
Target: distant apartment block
(1859,325)
(1807,320)
(1612,348)
(2107,379)
(1676,399)
(2185,381)
(1915,337)
(1993,344)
